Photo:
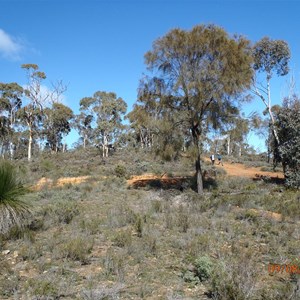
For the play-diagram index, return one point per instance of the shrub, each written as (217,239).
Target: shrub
(204,268)
(120,171)
(235,279)
(122,238)
(183,219)
(62,211)
(77,249)
(189,276)
(288,131)
(139,226)
(43,288)
(114,265)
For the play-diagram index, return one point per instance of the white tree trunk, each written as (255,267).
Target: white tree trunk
(105,146)
(267,103)
(228,145)
(30,143)
(270,112)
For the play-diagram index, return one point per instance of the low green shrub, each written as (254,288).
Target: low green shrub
(204,267)
(120,171)
(77,249)
(122,238)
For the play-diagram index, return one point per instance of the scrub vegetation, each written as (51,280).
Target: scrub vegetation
(105,239)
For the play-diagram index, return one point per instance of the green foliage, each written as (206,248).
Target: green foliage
(271,55)
(191,277)
(10,103)
(204,267)
(43,288)
(199,70)
(12,208)
(120,171)
(201,271)
(139,226)
(56,125)
(288,124)
(65,211)
(31,114)
(122,238)
(46,165)
(77,248)
(102,115)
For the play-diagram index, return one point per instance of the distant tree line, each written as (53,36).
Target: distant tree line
(197,83)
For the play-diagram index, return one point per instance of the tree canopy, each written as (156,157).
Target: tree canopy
(201,71)
(288,124)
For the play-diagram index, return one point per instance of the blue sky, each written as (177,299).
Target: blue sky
(100,45)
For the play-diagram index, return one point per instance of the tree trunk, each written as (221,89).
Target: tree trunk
(228,145)
(105,146)
(270,112)
(30,143)
(84,141)
(11,145)
(11,150)
(196,136)
(199,175)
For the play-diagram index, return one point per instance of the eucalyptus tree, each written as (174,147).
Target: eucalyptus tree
(31,113)
(138,119)
(105,110)
(145,116)
(83,123)
(57,124)
(203,70)
(10,103)
(270,56)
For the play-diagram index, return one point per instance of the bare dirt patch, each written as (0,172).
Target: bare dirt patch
(235,169)
(241,170)
(49,183)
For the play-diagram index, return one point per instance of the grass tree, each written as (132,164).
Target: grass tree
(12,208)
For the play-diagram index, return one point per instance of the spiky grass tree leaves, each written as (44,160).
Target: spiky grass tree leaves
(12,208)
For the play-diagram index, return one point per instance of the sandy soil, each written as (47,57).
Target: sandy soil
(46,182)
(232,169)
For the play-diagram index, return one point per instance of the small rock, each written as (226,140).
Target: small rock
(5,252)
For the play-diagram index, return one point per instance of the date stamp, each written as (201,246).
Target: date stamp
(276,268)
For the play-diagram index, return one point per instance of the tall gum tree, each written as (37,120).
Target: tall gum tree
(31,113)
(204,69)
(270,56)
(10,103)
(106,111)
(57,125)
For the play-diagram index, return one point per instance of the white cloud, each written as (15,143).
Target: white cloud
(10,47)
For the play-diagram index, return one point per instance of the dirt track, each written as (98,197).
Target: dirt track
(234,169)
